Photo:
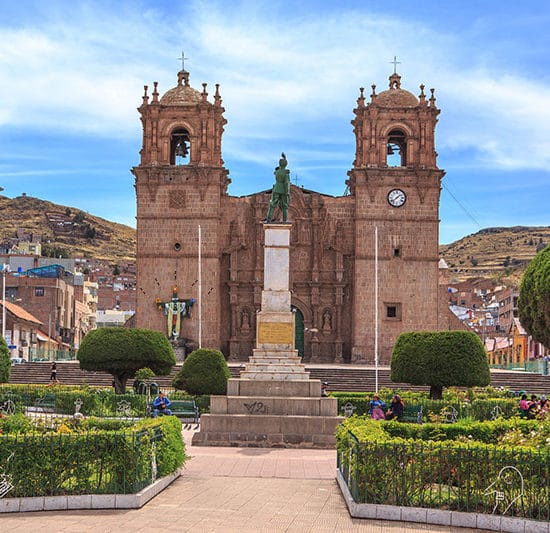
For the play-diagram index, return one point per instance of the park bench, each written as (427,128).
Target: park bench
(180,408)
(46,403)
(412,413)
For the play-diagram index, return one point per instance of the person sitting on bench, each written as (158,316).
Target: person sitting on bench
(161,405)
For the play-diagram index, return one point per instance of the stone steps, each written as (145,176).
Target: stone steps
(339,378)
(273,405)
(267,431)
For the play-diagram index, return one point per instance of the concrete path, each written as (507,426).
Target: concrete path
(232,490)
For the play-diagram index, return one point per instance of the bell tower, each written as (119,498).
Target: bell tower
(179,184)
(395,182)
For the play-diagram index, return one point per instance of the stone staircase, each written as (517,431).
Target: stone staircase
(340,378)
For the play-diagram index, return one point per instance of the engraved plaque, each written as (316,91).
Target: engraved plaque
(275,333)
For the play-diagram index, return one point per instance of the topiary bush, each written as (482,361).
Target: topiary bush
(203,372)
(440,359)
(5,362)
(123,351)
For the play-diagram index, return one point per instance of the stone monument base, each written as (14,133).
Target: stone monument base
(270,413)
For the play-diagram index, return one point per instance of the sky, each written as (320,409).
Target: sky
(72,75)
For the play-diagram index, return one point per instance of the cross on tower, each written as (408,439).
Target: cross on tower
(395,63)
(182,58)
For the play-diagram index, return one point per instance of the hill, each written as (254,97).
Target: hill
(499,253)
(65,230)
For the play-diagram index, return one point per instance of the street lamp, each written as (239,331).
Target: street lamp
(5,268)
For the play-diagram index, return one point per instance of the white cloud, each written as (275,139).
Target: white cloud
(282,76)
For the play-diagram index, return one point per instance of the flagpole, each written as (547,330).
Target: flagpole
(200,290)
(376,307)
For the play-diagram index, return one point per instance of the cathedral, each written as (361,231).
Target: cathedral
(363,266)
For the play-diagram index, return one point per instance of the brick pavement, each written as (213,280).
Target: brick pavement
(232,490)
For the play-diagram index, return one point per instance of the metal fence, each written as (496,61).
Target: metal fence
(537,366)
(449,475)
(43,354)
(71,463)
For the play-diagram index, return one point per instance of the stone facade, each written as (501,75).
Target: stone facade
(181,184)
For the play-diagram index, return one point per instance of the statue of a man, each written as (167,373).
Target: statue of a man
(280,194)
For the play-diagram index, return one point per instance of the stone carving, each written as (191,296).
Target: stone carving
(245,321)
(177,199)
(327,322)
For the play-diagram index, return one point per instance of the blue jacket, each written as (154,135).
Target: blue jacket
(158,401)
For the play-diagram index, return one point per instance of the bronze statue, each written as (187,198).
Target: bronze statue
(280,195)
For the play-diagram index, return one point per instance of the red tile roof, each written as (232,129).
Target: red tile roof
(19,312)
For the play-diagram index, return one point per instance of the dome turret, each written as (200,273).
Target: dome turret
(182,93)
(395,96)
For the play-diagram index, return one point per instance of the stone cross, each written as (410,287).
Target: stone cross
(182,58)
(395,63)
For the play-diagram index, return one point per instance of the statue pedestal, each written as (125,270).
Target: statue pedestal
(273,403)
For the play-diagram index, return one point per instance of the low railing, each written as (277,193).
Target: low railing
(99,462)
(449,475)
(43,354)
(537,366)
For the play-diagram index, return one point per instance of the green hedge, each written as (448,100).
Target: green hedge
(89,459)
(449,466)
(478,409)
(95,401)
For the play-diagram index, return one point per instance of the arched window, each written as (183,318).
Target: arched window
(397,149)
(180,147)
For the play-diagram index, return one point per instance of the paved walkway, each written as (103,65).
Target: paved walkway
(232,490)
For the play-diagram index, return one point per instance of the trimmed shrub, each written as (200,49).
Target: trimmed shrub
(203,372)
(5,363)
(440,359)
(123,351)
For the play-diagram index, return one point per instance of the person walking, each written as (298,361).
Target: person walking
(53,372)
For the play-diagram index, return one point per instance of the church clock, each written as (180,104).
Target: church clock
(397,197)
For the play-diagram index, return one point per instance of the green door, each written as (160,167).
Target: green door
(298,330)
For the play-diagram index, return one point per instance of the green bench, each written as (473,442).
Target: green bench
(46,403)
(180,408)
(412,413)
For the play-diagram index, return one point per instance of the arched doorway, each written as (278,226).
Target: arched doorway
(298,330)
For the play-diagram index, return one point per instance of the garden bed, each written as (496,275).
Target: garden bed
(499,468)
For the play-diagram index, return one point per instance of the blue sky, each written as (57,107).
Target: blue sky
(289,73)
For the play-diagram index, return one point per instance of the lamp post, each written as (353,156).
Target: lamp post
(5,269)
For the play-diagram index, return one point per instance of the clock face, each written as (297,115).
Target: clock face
(397,197)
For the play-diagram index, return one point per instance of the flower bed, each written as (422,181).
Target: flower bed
(500,467)
(91,457)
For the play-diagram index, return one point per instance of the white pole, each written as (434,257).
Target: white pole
(200,291)
(376,307)
(4,268)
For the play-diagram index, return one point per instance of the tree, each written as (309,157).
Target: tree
(534,298)
(5,362)
(440,359)
(123,351)
(203,372)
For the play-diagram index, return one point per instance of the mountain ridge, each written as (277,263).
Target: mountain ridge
(500,252)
